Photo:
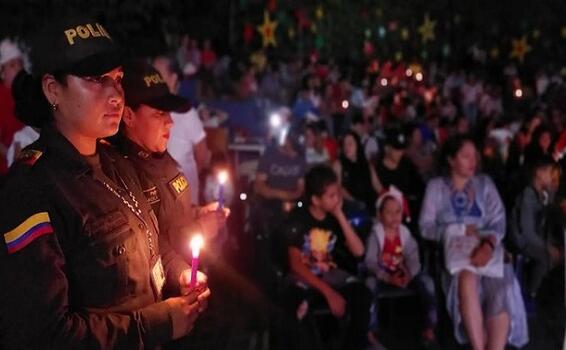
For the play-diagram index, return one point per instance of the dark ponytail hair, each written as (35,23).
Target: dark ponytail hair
(450,148)
(31,105)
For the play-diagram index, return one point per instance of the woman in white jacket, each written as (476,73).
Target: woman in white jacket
(487,311)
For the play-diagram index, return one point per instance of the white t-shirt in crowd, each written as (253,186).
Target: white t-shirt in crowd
(186,132)
(22,138)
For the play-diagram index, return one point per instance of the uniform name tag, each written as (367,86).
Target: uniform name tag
(158,276)
(179,184)
(152,195)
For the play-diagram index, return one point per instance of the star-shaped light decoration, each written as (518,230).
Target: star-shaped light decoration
(405,34)
(319,12)
(520,49)
(427,29)
(267,30)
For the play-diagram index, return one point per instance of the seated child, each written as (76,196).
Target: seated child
(392,257)
(322,251)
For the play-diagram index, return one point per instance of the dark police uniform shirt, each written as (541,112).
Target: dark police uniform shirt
(169,193)
(75,260)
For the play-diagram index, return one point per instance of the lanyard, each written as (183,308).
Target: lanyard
(133,208)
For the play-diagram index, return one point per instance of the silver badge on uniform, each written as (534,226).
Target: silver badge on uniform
(158,276)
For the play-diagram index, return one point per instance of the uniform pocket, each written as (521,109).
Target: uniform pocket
(111,244)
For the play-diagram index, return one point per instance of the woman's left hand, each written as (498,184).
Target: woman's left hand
(481,255)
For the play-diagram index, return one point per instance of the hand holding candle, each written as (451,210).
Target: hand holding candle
(222,177)
(195,244)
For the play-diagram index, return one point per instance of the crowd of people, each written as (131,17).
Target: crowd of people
(371,169)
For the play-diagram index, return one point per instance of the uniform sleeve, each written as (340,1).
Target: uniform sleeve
(173,264)
(36,311)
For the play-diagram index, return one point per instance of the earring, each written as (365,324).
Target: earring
(54,106)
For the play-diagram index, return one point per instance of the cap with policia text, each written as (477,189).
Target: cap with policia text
(143,85)
(77,46)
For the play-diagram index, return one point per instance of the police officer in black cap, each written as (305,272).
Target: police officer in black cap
(143,138)
(80,262)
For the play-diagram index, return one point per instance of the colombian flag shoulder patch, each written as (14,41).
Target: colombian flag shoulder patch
(35,226)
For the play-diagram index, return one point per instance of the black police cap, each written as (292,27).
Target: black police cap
(142,84)
(76,45)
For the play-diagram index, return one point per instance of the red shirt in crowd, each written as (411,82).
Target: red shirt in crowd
(392,254)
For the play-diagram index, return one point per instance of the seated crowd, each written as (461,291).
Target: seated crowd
(350,201)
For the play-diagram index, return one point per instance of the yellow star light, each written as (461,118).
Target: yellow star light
(563,32)
(405,34)
(319,13)
(427,29)
(267,30)
(520,48)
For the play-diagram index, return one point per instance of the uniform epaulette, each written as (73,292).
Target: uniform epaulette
(29,156)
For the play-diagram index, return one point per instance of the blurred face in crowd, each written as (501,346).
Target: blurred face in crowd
(161,64)
(310,138)
(350,147)
(463,126)
(89,107)
(330,199)
(391,213)
(534,123)
(148,127)
(393,154)
(464,162)
(9,70)
(544,141)
(545,176)
(416,137)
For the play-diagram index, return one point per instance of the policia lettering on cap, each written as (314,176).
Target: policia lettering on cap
(85,32)
(80,260)
(143,138)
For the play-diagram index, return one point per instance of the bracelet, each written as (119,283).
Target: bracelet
(489,242)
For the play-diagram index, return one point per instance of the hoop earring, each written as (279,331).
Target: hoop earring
(54,106)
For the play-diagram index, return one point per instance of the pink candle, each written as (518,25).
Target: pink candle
(196,244)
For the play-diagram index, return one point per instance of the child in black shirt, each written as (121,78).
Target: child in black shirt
(322,251)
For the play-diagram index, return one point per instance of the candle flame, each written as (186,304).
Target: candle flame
(196,244)
(222,177)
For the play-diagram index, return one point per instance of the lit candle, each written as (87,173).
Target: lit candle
(222,177)
(196,244)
